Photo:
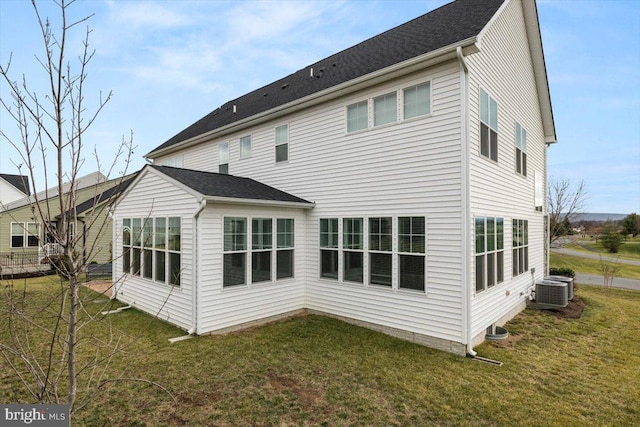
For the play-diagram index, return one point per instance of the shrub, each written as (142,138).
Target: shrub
(562,271)
(610,238)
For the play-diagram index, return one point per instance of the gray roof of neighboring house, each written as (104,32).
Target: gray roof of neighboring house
(445,26)
(109,194)
(227,186)
(21,182)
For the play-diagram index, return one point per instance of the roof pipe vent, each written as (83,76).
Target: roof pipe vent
(311,72)
(234,109)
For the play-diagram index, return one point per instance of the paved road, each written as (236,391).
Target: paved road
(591,279)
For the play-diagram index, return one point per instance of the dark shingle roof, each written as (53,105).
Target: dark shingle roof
(445,26)
(109,194)
(21,182)
(220,185)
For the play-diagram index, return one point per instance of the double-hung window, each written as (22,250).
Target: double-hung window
(417,100)
(261,245)
(174,237)
(223,158)
(160,246)
(147,248)
(235,251)
(380,251)
(245,147)
(489,235)
(282,143)
(385,109)
(352,246)
(285,248)
(25,235)
(126,245)
(520,246)
(488,126)
(136,246)
(358,116)
(521,150)
(411,252)
(329,248)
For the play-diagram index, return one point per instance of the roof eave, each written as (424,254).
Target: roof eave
(259,202)
(443,54)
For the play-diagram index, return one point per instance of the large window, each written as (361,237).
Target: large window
(489,249)
(25,235)
(329,248)
(245,147)
(385,109)
(353,245)
(521,150)
(380,248)
(520,246)
(223,158)
(261,245)
(285,248)
(411,252)
(282,143)
(488,126)
(151,248)
(417,100)
(235,252)
(358,116)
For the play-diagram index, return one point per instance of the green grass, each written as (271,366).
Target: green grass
(591,266)
(319,371)
(629,250)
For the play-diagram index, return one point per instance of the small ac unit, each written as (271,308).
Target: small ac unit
(552,294)
(563,279)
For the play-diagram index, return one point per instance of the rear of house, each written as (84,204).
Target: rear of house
(401,193)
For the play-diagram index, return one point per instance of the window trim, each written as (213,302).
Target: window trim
(411,252)
(489,125)
(284,143)
(364,102)
(243,248)
(496,254)
(378,251)
(403,100)
(221,163)
(330,247)
(384,98)
(520,246)
(25,234)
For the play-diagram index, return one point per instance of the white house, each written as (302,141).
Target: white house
(398,184)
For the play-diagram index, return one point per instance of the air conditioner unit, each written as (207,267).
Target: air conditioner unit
(552,294)
(563,279)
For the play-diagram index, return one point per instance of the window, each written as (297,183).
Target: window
(329,248)
(151,248)
(488,126)
(245,147)
(358,116)
(25,235)
(411,250)
(417,100)
(175,161)
(489,245)
(285,245)
(380,247)
(282,143)
(223,158)
(353,245)
(385,109)
(520,246)
(521,150)
(261,245)
(235,252)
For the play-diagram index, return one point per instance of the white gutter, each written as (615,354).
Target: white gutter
(255,202)
(196,268)
(393,71)
(467,293)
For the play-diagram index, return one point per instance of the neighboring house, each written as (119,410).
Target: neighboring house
(12,188)
(23,231)
(398,184)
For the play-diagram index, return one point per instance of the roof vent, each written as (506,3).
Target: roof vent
(285,85)
(264,94)
(311,72)
(234,108)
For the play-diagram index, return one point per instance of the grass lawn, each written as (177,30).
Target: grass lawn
(319,371)
(591,266)
(629,250)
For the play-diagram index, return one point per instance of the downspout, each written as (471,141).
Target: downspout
(196,267)
(466,202)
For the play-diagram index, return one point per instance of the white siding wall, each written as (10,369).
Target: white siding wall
(155,197)
(503,68)
(226,307)
(8,194)
(402,169)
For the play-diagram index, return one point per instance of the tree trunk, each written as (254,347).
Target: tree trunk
(72,337)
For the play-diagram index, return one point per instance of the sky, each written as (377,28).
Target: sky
(169,63)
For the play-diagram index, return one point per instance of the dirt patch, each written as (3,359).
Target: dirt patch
(306,395)
(100,286)
(573,310)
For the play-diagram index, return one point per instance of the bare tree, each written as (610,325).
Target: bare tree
(52,128)
(564,201)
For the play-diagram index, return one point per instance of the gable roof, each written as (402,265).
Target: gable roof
(223,187)
(109,194)
(448,25)
(20,182)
